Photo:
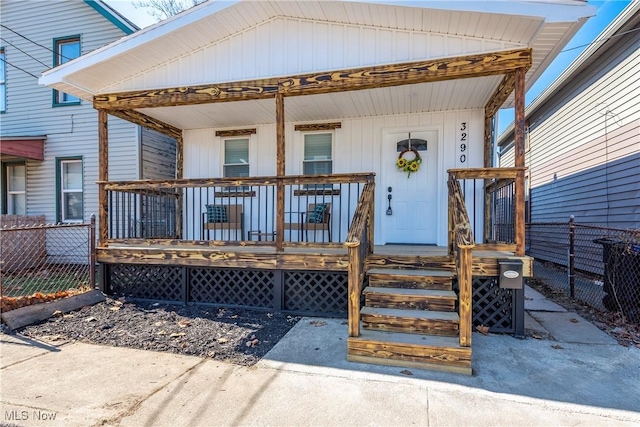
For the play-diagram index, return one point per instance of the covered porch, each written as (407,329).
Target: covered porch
(400,254)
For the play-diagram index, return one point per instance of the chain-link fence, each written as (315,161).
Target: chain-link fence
(597,265)
(46,260)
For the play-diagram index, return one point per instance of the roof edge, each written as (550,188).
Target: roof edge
(623,17)
(113,16)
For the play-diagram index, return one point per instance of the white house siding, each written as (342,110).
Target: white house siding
(585,156)
(71,131)
(287,46)
(357,148)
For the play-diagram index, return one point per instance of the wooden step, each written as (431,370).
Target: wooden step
(443,323)
(416,299)
(410,279)
(410,350)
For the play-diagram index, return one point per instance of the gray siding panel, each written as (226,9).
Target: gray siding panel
(158,153)
(585,144)
(72,131)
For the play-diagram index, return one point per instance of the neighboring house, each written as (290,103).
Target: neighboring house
(49,138)
(583,139)
(277,207)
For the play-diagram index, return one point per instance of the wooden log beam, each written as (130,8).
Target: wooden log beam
(432,70)
(190,95)
(221,258)
(477,65)
(485,173)
(179,175)
(519,161)
(157,184)
(148,122)
(311,127)
(235,132)
(500,95)
(103,175)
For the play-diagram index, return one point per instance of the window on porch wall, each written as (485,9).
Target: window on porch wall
(318,156)
(236,160)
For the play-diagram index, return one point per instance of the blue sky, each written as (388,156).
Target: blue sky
(607,10)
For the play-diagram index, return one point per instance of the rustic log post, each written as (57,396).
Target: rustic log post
(451,205)
(371,222)
(103,176)
(179,175)
(519,161)
(488,124)
(280,171)
(465,285)
(354,290)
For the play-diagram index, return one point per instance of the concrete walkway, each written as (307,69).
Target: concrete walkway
(579,376)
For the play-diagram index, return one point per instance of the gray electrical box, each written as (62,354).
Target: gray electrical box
(510,274)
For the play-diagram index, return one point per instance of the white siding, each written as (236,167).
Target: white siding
(585,154)
(72,131)
(287,46)
(357,148)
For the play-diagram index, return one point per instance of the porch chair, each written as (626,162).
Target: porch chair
(224,218)
(316,218)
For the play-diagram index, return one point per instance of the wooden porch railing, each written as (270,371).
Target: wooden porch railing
(233,211)
(460,244)
(360,244)
(503,223)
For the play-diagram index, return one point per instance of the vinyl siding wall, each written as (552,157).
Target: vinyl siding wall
(158,155)
(585,153)
(72,131)
(357,147)
(287,46)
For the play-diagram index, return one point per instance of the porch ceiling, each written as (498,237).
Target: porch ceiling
(460,94)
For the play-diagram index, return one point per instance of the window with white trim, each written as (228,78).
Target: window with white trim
(16,188)
(317,154)
(71,195)
(66,50)
(3,81)
(236,157)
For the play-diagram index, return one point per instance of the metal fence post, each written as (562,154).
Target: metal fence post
(92,252)
(572,247)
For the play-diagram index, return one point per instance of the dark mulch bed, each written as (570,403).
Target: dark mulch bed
(238,336)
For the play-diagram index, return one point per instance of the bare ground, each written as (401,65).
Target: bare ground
(238,336)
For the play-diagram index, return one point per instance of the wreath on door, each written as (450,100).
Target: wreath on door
(410,165)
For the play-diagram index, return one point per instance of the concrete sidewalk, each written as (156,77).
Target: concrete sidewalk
(578,378)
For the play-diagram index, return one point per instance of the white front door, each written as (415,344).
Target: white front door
(411,215)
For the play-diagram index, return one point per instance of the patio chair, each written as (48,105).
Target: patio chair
(316,218)
(224,218)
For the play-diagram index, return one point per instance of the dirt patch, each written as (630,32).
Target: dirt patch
(238,336)
(614,324)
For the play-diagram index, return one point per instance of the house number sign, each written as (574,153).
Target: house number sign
(463,142)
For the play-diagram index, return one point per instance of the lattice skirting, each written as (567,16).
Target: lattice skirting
(297,292)
(502,310)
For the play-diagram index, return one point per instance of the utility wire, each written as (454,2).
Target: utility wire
(30,56)
(598,41)
(36,43)
(15,66)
